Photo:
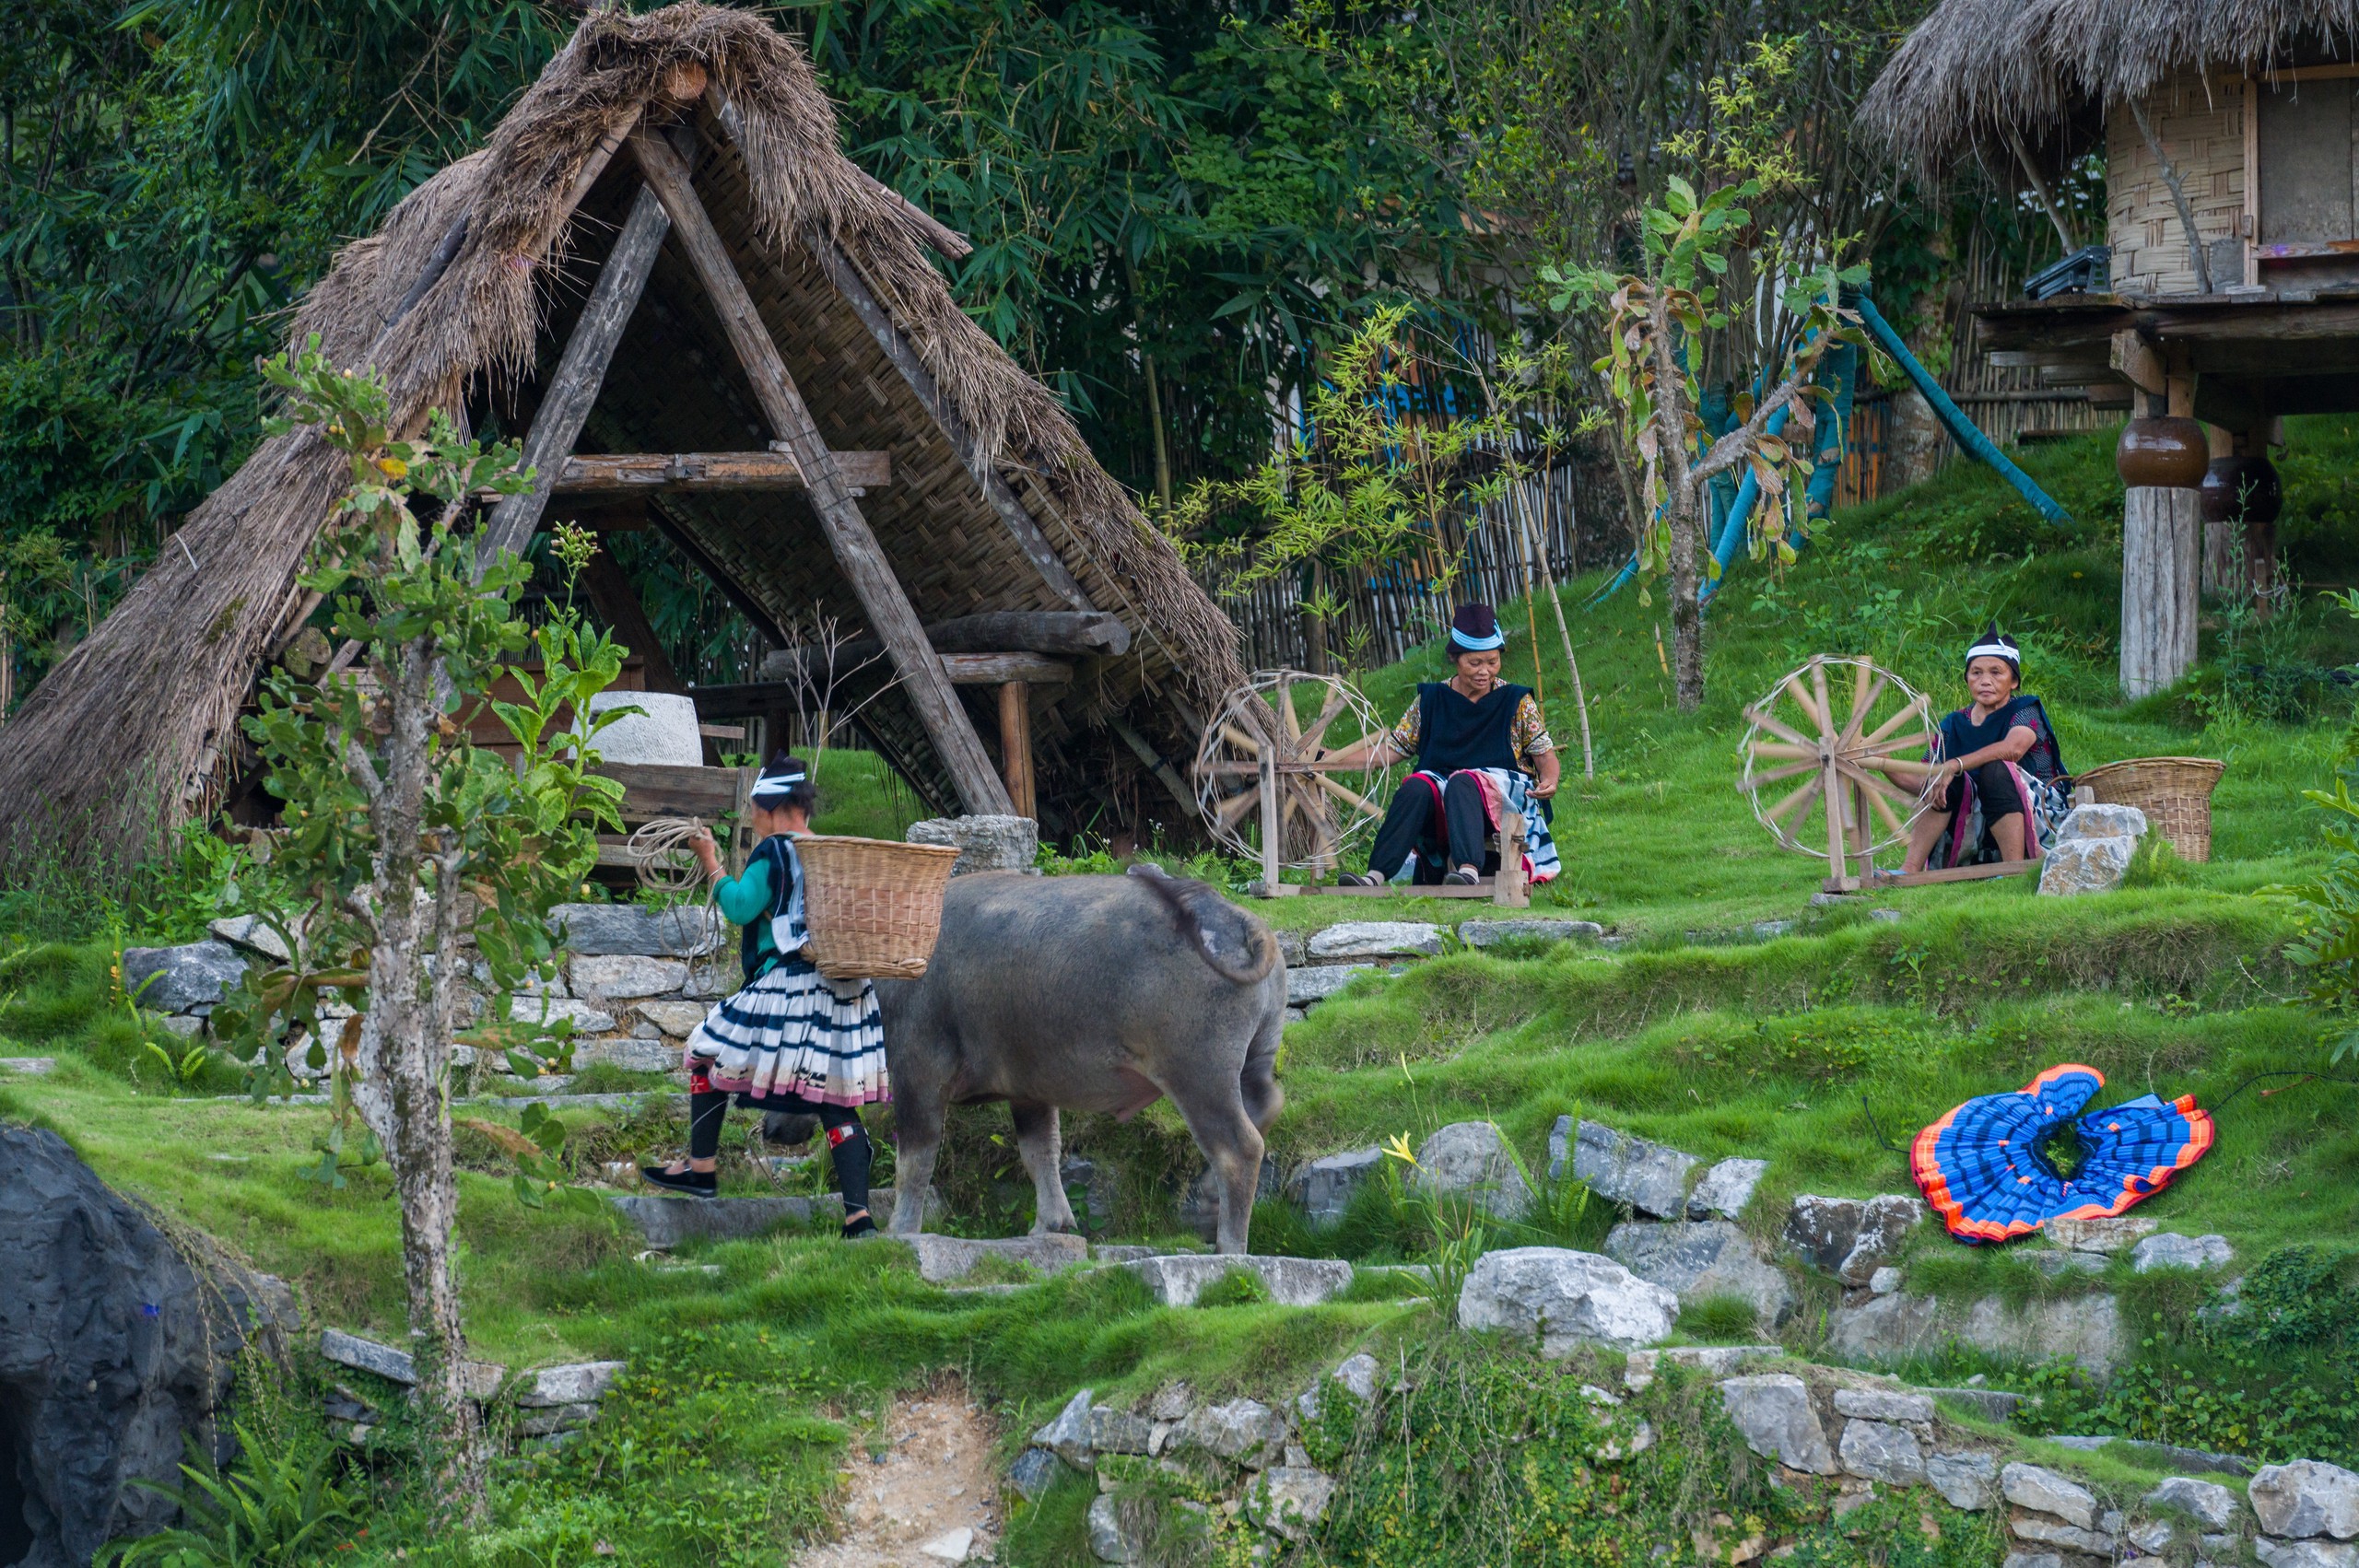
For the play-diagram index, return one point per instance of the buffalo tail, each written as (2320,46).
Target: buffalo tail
(1177,894)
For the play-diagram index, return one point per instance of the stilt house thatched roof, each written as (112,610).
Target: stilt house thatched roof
(505,284)
(1976,70)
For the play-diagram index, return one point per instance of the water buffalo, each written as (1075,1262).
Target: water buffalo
(1089,993)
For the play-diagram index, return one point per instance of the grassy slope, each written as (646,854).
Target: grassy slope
(1763,1048)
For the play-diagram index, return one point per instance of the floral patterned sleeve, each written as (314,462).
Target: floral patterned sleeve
(1405,734)
(1530,731)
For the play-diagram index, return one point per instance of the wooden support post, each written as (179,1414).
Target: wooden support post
(2160,569)
(1509,890)
(1272,820)
(580,374)
(857,553)
(1015,747)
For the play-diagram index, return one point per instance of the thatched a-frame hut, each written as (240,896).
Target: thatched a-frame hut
(2225,288)
(708,321)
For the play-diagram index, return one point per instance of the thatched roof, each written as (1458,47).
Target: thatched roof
(1976,68)
(135,728)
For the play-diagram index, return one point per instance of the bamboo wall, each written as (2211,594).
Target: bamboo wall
(2202,127)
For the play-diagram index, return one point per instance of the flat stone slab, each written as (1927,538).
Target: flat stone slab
(1178,1280)
(175,979)
(685,931)
(1714,1361)
(1491,933)
(2087,1328)
(2107,1234)
(1376,939)
(577,1383)
(665,1223)
(1726,1188)
(1307,987)
(1650,1177)
(632,1056)
(1324,1187)
(28,1066)
(943,1259)
(483,1377)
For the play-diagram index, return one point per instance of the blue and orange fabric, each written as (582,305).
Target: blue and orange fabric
(1985,1167)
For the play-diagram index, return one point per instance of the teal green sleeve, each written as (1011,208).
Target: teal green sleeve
(744,899)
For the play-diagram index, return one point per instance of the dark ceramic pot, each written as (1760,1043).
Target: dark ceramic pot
(2253,478)
(2168,454)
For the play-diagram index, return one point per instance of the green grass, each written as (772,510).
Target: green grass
(1811,1048)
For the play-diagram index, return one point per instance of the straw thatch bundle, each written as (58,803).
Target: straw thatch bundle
(134,730)
(1977,68)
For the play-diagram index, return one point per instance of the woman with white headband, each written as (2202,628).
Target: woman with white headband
(2000,788)
(790,1039)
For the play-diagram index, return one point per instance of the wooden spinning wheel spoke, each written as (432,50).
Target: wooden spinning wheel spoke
(1828,720)
(1336,702)
(1265,783)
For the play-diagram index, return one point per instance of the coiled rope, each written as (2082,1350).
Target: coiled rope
(661,856)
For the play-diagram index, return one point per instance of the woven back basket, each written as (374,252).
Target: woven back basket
(873,907)
(2174,791)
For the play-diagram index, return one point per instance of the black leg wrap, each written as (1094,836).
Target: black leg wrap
(852,1154)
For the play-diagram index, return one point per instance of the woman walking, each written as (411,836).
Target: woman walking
(789,1039)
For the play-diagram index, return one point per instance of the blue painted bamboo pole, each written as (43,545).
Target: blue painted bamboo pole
(1962,430)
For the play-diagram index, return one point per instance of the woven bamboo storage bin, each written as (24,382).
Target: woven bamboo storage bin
(2174,791)
(873,907)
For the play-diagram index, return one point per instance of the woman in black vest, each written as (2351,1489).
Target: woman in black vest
(1482,747)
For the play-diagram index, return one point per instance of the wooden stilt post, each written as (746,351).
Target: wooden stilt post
(861,559)
(1271,820)
(1015,745)
(580,374)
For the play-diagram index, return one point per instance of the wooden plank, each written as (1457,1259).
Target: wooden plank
(862,561)
(629,473)
(580,374)
(1485,887)
(1015,747)
(652,789)
(1953,874)
(1076,634)
(998,669)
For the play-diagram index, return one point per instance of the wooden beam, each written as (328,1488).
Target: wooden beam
(1015,747)
(2139,362)
(1074,634)
(1952,873)
(857,553)
(615,473)
(998,669)
(582,371)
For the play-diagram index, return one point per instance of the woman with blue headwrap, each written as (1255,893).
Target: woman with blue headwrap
(1482,749)
(789,1039)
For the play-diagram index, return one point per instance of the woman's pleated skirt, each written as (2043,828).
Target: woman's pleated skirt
(795,1031)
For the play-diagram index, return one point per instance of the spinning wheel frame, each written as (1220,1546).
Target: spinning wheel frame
(1259,760)
(1850,768)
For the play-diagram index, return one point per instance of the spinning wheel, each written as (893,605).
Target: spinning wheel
(1259,761)
(1843,748)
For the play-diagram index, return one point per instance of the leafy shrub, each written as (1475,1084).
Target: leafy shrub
(274,1507)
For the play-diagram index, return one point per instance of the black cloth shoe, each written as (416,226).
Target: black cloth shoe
(1359,879)
(863,1226)
(696,1184)
(1461,877)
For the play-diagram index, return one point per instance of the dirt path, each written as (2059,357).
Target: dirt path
(937,1479)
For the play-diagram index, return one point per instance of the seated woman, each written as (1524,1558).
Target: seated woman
(1999,777)
(1482,747)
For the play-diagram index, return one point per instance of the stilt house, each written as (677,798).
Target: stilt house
(706,321)
(2226,293)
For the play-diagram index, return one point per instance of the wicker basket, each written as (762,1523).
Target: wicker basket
(873,907)
(2174,791)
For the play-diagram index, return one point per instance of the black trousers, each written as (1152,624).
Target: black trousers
(1444,837)
(847,1137)
(1995,784)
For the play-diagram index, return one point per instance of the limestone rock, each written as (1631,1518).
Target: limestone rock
(2072,1538)
(1698,1258)
(2086,865)
(1323,1188)
(984,843)
(1307,987)
(653,728)
(1965,1480)
(482,1378)
(1358,1374)
(1638,1368)
(1650,1177)
(1033,1473)
(2054,1262)
(1118,1432)
(253,933)
(1987,1404)
(2207,1500)
(1111,1538)
(683,930)
(178,980)
(1773,1411)
(2044,1491)
(1888,1329)
(2035,1559)
(1178,1280)
(2107,1234)
(1471,1160)
(1882,1451)
(1374,939)
(1850,1238)
(941,1259)
(632,1056)
(2305,1498)
(1885,1280)
(621,976)
(664,1223)
(1726,1188)
(1289,1501)
(1564,1299)
(1491,933)
(1244,1431)
(1171,1402)
(676,1019)
(583,1382)
(2102,822)
(2170,1250)
(2306,1554)
(952,1545)
(1883,1404)
(1068,1435)
(551,1011)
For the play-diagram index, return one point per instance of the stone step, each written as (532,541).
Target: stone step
(665,1223)
(1177,1281)
(941,1259)
(28,1066)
